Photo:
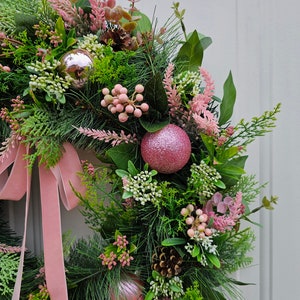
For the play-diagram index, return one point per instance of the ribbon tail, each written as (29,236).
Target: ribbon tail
(18,283)
(53,250)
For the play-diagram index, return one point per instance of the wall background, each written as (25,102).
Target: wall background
(259,42)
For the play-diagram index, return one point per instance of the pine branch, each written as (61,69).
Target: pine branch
(246,132)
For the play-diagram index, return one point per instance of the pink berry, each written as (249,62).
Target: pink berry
(199,212)
(203,218)
(119,107)
(190,207)
(123,117)
(201,228)
(137,113)
(129,109)
(123,90)
(189,220)
(139,97)
(103,103)
(123,98)
(105,91)
(208,232)
(139,88)
(108,98)
(117,88)
(184,212)
(191,233)
(113,110)
(144,107)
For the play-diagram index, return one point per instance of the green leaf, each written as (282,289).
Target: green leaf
(132,169)
(205,40)
(196,251)
(209,144)
(153,127)
(228,100)
(122,173)
(144,24)
(150,295)
(60,28)
(127,195)
(155,94)
(175,288)
(214,260)
(173,242)
(121,154)
(220,184)
(190,54)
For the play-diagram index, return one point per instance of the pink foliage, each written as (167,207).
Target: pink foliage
(108,136)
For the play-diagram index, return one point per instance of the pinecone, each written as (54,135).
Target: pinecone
(166,261)
(118,38)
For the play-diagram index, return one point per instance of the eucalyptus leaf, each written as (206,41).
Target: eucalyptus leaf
(228,100)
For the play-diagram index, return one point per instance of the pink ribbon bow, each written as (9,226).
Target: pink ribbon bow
(55,183)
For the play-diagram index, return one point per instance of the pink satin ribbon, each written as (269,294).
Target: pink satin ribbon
(55,183)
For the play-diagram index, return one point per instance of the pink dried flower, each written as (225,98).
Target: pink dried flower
(97,16)
(108,136)
(174,99)
(125,258)
(108,260)
(10,249)
(121,242)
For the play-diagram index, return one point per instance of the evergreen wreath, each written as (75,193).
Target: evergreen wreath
(170,198)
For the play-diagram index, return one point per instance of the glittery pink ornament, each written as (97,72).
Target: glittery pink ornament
(129,288)
(167,150)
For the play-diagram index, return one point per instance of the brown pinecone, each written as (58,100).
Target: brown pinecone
(118,38)
(166,261)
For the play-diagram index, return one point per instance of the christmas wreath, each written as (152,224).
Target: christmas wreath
(170,198)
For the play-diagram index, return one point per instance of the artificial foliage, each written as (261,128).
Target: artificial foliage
(170,223)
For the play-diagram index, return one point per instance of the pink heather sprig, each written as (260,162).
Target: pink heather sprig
(10,249)
(204,119)
(9,144)
(67,11)
(108,136)
(174,99)
(97,16)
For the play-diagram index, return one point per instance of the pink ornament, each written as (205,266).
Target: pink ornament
(129,288)
(167,150)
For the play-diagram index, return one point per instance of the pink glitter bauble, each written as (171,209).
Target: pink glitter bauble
(167,150)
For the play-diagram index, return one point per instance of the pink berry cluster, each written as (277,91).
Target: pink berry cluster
(198,222)
(7,116)
(120,254)
(117,101)
(121,242)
